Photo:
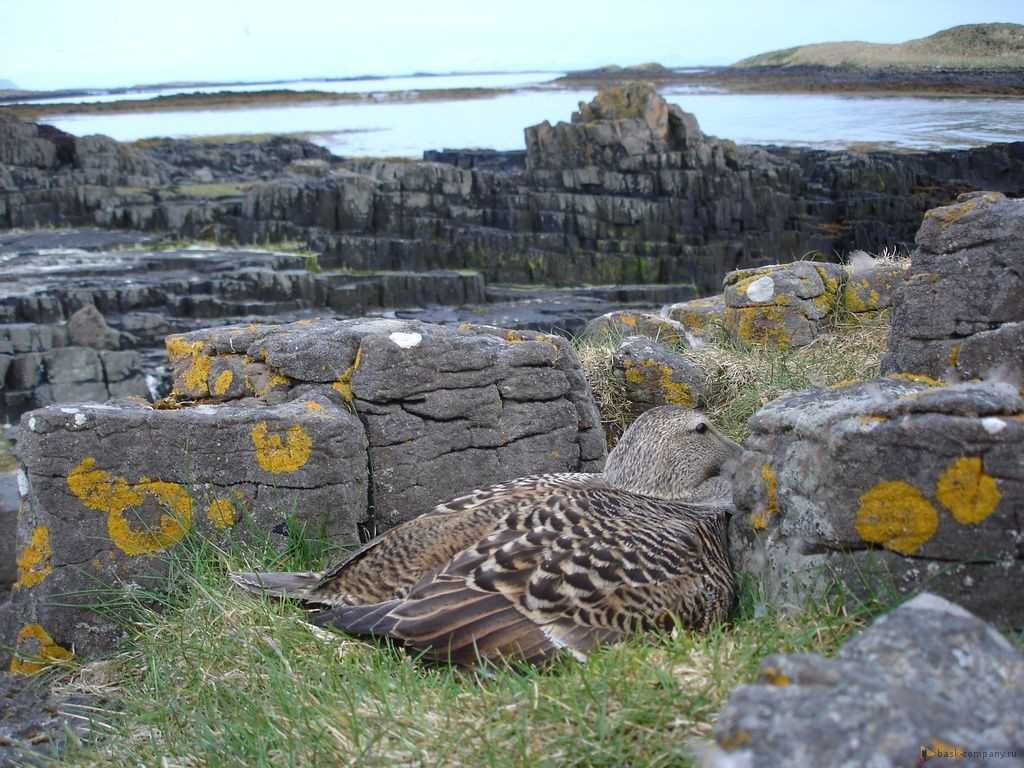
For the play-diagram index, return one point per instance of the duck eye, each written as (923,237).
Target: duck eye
(701,428)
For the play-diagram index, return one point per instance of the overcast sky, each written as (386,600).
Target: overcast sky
(70,43)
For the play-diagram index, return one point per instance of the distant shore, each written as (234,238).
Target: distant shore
(818,80)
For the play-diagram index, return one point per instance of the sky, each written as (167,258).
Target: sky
(46,44)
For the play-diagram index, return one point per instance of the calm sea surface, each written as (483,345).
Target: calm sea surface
(407,128)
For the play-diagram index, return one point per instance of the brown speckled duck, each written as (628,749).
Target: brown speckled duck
(546,564)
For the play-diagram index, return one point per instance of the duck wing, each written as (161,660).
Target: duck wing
(389,565)
(579,567)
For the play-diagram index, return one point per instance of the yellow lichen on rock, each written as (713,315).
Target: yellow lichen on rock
(221,513)
(967,492)
(757,325)
(659,375)
(279,455)
(101,491)
(859,296)
(195,376)
(954,355)
(916,378)
(895,514)
(772,676)
(222,383)
(45,653)
(343,386)
(759,519)
(35,561)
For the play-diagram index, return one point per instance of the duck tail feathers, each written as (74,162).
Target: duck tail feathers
(296,585)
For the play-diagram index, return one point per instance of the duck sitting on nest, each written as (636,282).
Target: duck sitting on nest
(546,564)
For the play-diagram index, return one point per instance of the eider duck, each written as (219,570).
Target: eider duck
(547,564)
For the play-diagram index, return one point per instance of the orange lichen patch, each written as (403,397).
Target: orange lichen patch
(464,327)
(916,378)
(343,386)
(859,296)
(870,420)
(659,375)
(222,383)
(194,378)
(896,515)
(843,383)
(831,283)
(274,380)
(627,319)
(759,520)
(281,455)
(734,740)
(758,325)
(967,492)
(313,405)
(35,561)
(45,652)
(221,513)
(101,491)
(954,355)
(772,676)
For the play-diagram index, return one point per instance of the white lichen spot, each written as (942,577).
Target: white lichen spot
(80,419)
(761,290)
(993,425)
(22,483)
(406,340)
(69,410)
(32,423)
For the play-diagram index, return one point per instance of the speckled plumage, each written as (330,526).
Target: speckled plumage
(549,563)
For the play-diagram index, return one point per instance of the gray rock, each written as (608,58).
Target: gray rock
(446,410)
(783,305)
(88,328)
(928,683)
(623,323)
(890,487)
(703,319)
(960,311)
(108,488)
(652,374)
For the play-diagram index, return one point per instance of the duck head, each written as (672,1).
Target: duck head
(672,453)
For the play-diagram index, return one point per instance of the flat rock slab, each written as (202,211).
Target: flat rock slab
(106,489)
(84,239)
(927,684)
(446,409)
(890,486)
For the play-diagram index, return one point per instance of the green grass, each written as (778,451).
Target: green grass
(217,678)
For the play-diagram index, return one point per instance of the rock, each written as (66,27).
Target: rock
(616,325)
(88,328)
(703,319)
(961,311)
(889,486)
(652,374)
(927,683)
(783,305)
(630,191)
(108,488)
(446,410)
(871,285)
(9,499)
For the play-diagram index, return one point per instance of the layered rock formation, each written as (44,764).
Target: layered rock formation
(928,684)
(629,191)
(332,426)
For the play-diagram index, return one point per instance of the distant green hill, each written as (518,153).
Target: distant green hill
(7,85)
(971,46)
